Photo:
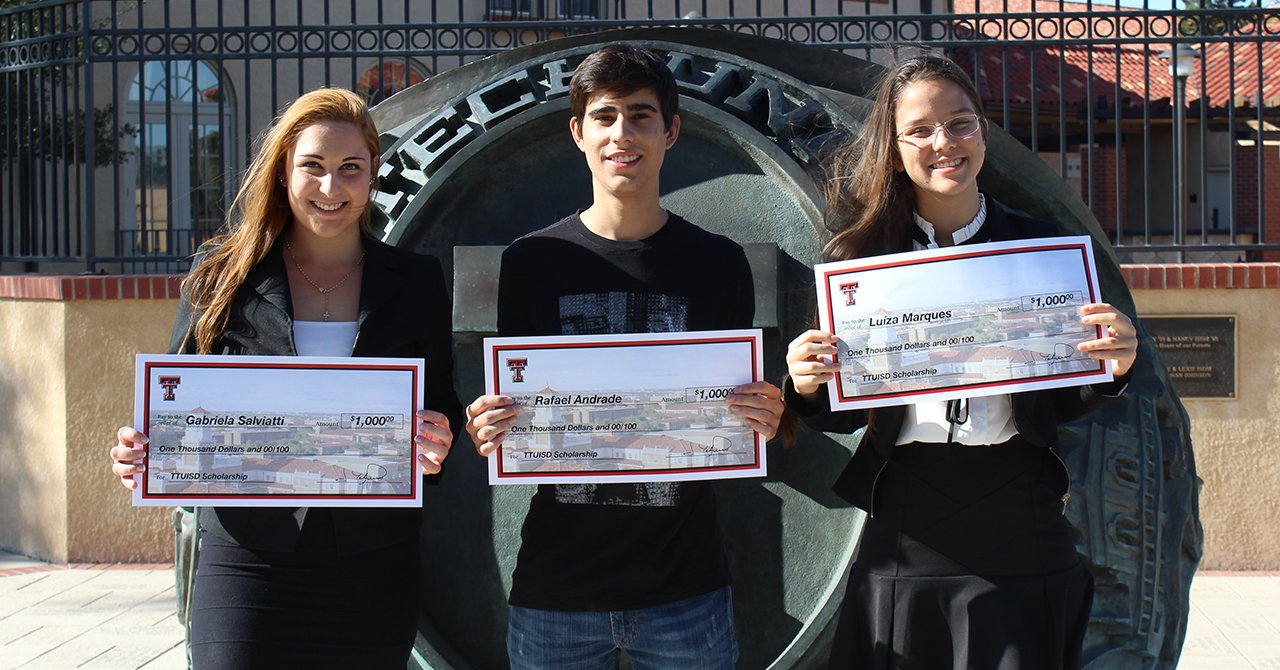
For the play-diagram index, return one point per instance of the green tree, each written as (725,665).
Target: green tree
(1209,25)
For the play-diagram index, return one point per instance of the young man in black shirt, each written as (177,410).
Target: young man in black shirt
(607,567)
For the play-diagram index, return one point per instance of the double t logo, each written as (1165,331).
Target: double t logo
(517,366)
(169,384)
(848,290)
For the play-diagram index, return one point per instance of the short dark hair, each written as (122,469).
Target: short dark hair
(623,69)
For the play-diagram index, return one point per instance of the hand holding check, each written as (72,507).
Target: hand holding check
(811,357)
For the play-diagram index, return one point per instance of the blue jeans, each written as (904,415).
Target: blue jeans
(692,634)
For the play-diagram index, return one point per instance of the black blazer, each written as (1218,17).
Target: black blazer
(404,312)
(1036,414)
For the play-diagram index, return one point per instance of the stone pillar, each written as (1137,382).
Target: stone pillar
(66,383)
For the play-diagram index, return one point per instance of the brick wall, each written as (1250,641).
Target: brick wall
(1108,170)
(1246,195)
(1202,275)
(92,287)
(165,287)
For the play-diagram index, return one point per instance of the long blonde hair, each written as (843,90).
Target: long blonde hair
(261,212)
(870,201)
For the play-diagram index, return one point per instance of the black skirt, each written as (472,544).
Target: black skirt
(309,608)
(968,563)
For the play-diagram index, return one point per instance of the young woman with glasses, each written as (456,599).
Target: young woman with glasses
(967,559)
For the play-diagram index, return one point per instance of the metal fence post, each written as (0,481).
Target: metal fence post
(90,131)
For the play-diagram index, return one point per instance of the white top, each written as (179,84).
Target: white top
(960,235)
(989,419)
(324,338)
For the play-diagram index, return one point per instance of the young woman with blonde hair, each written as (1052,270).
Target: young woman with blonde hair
(298,273)
(966,559)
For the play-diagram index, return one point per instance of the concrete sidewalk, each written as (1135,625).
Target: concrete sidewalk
(1235,622)
(122,617)
(88,616)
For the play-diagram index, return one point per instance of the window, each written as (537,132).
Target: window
(579,9)
(176,192)
(516,10)
(379,83)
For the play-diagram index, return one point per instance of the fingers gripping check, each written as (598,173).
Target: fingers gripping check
(488,419)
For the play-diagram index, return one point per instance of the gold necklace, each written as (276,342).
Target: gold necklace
(323,291)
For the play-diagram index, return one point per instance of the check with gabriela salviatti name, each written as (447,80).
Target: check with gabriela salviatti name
(974,320)
(278,431)
(625,408)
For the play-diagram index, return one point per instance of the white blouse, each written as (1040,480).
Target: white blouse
(957,237)
(983,421)
(324,338)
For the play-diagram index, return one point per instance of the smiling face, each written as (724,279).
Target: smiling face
(943,170)
(328,173)
(624,141)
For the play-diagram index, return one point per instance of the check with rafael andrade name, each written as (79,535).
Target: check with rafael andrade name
(278,431)
(625,408)
(974,320)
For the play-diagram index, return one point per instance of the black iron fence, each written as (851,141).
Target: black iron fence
(126,122)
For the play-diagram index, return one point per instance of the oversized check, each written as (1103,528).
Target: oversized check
(278,431)
(973,320)
(625,408)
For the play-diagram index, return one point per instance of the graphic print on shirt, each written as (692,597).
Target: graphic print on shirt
(651,494)
(622,312)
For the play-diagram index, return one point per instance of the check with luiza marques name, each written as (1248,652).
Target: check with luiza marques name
(625,408)
(278,431)
(973,320)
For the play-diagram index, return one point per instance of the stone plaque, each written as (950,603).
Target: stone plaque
(1199,352)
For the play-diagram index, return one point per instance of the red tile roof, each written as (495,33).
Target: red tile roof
(648,442)
(1245,57)
(987,353)
(560,466)
(1077,66)
(1025,6)
(209,489)
(299,465)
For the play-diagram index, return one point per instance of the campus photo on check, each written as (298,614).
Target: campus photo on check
(278,431)
(965,321)
(625,408)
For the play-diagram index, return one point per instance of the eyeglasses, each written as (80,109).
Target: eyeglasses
(958,127)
